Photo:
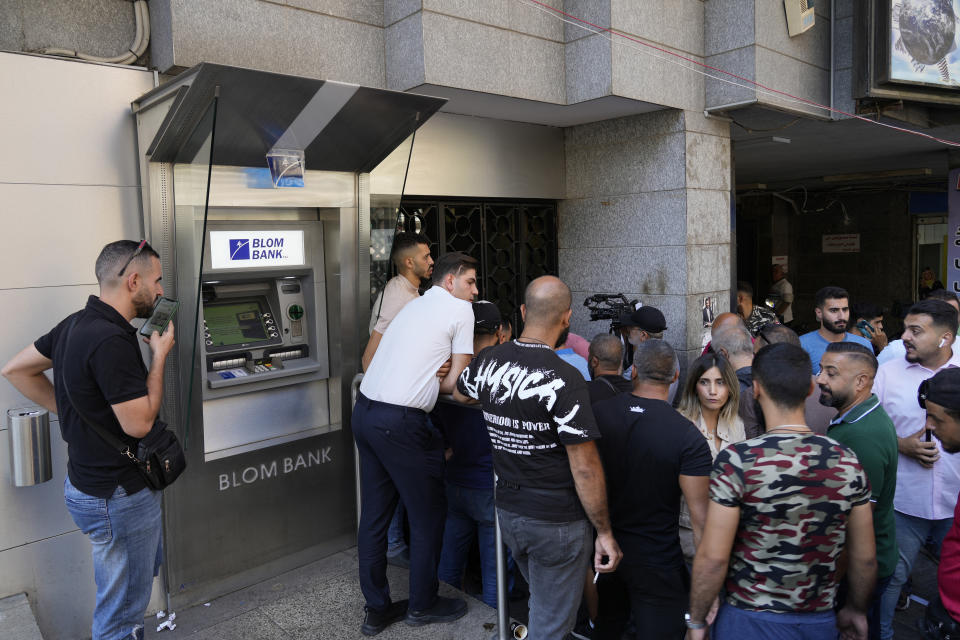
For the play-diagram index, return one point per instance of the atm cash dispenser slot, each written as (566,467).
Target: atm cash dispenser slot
(255,331)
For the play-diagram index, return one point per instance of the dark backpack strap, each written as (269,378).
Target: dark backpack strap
(108,437)
(609,384)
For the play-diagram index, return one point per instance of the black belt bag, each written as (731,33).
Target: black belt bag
(159,457)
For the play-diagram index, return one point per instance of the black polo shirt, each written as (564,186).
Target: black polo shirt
(102,366)
(607,386)
(645,448)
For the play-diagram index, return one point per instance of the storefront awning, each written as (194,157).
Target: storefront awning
(339,127)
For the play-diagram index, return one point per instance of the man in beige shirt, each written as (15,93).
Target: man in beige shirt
(411,255)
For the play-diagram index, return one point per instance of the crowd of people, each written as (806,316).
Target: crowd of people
(783,489)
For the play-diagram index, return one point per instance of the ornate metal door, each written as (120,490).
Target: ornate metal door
(515,242)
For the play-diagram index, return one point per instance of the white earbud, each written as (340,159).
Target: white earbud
(943,341)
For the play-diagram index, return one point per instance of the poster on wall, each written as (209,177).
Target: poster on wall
(923,42)
(953,233)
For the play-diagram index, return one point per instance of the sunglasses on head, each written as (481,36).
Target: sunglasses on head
(126,264)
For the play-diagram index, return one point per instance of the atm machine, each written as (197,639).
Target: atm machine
(274,290)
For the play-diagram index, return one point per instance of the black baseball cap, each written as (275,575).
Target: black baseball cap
(942,389)
(648,319)
(486,317)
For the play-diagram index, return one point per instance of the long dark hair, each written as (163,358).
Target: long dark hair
(690,401)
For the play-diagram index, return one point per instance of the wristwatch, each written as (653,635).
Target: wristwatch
(693,625)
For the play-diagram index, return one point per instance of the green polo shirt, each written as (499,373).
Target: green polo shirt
(868,430)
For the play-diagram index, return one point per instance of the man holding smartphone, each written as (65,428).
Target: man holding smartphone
(927,484)
(95,354)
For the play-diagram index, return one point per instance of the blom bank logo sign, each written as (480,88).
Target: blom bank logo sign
(256,249)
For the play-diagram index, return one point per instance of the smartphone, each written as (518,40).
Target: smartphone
(160,317)
(929,434)
(865,326)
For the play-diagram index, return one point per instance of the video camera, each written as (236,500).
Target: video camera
(609,306)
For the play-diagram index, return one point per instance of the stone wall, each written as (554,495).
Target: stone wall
(647,214)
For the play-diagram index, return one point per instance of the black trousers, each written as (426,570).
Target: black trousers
(401,456)
(656,596)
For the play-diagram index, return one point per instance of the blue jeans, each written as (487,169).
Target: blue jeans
(469,511)
(912,533)
(125,533)
(733,623)
(552,557)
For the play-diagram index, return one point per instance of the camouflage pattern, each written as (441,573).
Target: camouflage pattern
(758,318)
(795,493)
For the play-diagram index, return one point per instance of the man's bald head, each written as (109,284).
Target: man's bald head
(545,301)
(726,320)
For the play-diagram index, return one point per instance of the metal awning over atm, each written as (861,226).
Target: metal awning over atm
(338,126)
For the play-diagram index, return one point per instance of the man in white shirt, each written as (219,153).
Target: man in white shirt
(894,349)
(783,290)
(411,255)
(401,452)
(927,484)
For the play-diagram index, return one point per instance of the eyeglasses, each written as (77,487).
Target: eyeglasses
(126,264)
(922,393)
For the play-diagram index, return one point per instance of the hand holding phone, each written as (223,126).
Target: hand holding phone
(163,312)
(865,327)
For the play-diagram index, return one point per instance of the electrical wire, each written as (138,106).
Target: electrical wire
(752,85)
(141,15)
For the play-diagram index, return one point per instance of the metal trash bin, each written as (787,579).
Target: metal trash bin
(30,460)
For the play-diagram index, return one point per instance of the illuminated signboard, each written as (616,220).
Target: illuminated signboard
(923,43)
(244,249)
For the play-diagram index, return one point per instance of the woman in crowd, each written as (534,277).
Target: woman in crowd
(710,400)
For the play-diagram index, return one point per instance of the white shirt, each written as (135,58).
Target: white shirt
(395,296)
(930,494)
(419,339)
(785,289)
(896,351)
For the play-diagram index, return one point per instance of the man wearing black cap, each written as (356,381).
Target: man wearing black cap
(468,475)
(940,396)
(638,326)
(642,324)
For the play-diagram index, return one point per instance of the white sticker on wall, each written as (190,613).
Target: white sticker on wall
(253,249)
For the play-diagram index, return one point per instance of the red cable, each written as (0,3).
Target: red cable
(738,77)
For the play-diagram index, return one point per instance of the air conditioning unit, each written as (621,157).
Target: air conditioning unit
(800,16)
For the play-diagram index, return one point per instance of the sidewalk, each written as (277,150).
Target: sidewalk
(321,600)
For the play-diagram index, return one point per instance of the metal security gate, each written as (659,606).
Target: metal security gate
(515,242)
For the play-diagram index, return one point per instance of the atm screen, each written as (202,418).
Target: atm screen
(237,322)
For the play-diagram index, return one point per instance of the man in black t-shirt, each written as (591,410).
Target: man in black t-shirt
(95,357)
(651,455)
(550,485)
(606,368)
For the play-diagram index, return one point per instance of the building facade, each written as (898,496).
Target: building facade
(668,179)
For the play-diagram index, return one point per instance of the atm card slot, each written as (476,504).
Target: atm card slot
(230,378)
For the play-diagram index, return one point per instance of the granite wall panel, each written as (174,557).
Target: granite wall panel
(475,56)
(403,48)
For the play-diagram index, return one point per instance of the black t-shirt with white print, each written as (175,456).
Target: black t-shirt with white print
(534,403)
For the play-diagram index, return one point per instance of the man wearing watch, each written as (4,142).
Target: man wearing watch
(783,507)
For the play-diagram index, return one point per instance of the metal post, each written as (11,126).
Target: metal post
(505,630)
(503,616)
(354,389)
